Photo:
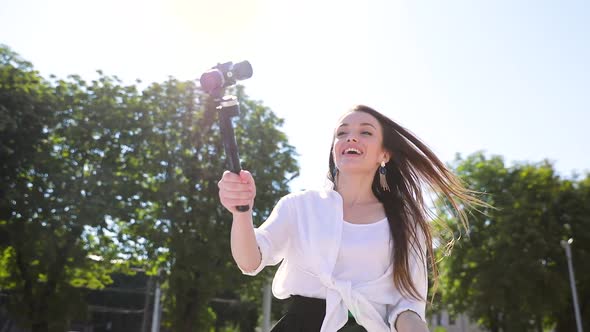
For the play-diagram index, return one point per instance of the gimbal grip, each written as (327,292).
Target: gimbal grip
(235,162)
(226,112)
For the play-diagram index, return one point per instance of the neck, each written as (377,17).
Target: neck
(355,189)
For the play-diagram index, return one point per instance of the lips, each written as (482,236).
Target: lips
(352,151)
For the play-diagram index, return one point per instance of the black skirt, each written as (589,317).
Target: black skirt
(306,314)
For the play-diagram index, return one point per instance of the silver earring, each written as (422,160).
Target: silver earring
(382,178)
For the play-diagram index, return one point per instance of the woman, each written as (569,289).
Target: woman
(353,256)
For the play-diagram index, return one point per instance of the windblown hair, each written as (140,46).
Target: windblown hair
(412,164)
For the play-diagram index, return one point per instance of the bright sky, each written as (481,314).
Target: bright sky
(508,77)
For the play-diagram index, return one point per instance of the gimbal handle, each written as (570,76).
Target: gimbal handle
(227,109)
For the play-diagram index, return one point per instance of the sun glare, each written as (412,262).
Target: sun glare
(214,19)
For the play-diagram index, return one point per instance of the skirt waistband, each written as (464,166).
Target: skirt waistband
(310,312)
(307,305)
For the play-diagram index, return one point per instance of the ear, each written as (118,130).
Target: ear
(386,157)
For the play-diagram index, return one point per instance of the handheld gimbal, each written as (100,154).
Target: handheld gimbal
(214,82)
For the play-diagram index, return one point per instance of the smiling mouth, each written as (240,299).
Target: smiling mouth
(352,151)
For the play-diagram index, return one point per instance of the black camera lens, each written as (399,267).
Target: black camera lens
(242,70)
(224,75)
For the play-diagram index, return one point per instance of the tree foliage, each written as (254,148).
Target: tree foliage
(509,271)
(99,176)
(182,156)
(55,198)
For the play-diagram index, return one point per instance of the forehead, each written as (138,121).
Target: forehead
(358,118)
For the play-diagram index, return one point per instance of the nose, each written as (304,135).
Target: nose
(351,138)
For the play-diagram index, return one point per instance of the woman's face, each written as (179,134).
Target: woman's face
(358,143)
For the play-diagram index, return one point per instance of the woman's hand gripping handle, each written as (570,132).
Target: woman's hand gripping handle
(234,191)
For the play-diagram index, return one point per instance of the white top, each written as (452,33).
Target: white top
(366,246)
(307,233)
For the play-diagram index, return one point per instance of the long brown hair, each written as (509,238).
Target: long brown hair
(412,164)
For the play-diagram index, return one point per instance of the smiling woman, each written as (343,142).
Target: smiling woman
(354,256)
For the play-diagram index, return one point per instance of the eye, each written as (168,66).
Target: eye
(340,133)
(368,133)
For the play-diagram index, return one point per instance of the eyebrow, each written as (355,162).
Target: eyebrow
(362,124)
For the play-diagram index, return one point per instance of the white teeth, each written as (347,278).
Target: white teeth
(351,149)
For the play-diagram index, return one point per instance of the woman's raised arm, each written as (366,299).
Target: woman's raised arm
(235,190)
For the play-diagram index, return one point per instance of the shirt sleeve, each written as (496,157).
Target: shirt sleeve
(418,273)
(273,236)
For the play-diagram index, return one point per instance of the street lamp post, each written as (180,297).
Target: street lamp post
(568,253)
(266,303)
(157,308)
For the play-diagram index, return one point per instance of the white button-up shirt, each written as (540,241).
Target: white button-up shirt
(304,231)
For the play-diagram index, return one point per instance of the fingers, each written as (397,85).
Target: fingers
(231,204)
(234,186)
(246,176)
(235,190)
(232,199)
(234,182)
(245,194)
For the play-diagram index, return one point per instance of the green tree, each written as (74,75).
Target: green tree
(574,205)
(25,108)
(59,179)
(182,224)
(509,270)
(98,177)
